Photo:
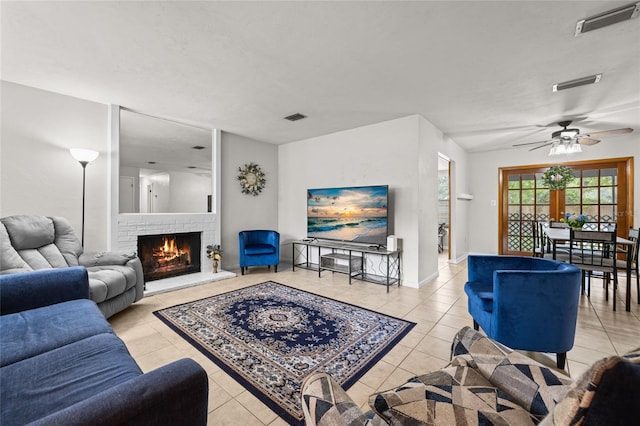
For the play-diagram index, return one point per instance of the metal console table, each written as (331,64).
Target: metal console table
(356,261)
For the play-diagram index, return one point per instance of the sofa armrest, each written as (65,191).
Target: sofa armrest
(176,394)
(325,403)
(105,258)
(44,287)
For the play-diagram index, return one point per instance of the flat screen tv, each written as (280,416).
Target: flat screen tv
(356,214)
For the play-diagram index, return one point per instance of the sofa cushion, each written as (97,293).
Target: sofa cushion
(57,379)
(533,386)
(10,260)
(325,402)
(66,241)
(106,282)
(44,257)
(480,294)
(454,395)
(24,334)
(255,249)
(607,393)
(29,232)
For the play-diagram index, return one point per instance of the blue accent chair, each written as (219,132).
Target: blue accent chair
(259,247)
(525,303)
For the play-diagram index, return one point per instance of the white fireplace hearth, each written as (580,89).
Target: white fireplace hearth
(184,281)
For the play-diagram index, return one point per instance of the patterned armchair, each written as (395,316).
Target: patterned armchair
(258,248)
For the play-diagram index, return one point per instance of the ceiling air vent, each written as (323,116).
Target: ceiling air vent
(295,117)
(577,82)
(611,17)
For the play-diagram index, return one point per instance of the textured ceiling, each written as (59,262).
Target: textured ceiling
(480,71)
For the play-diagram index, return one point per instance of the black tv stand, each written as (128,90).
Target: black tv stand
(351,259)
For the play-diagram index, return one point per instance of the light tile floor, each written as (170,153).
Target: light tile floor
(439,309)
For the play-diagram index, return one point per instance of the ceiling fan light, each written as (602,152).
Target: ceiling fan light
(574,148)
(569,133)
(557,148)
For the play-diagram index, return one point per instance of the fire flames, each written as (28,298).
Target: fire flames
(170,254)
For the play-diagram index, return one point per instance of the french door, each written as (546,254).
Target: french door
(602,191)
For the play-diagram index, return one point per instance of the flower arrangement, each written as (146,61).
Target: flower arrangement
(573,220)
(557,177)
(252,180)
(214,251)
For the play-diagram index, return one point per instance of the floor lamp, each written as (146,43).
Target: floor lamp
(84,157)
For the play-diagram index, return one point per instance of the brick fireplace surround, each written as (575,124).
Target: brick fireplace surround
(131,225)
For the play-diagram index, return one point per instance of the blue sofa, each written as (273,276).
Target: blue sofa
(525,303)
(259,247)
(61,363)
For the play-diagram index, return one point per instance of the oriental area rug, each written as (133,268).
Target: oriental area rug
(269,337)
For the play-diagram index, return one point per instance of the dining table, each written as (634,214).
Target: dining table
(561,235)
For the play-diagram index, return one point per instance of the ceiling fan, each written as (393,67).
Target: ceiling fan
(568,141)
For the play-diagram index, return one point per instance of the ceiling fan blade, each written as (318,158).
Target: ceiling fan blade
(588,141)
(609,132)
(533,143)
(542,146)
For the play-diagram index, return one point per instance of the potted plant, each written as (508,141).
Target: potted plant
(575,221)
(214,252)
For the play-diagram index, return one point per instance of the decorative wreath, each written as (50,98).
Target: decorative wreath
(558,177)
(251,179)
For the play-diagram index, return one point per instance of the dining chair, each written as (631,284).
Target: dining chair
(538,239)
(622,263)
(595,251)
(547,251)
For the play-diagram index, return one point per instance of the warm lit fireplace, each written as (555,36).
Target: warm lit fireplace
(169,255)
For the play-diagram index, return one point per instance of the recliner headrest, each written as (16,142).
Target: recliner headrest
(29,232)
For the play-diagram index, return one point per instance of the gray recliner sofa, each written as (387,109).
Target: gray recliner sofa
(31,242)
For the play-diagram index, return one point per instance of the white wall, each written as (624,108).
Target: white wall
(241,211)
(483,182)
(188,192)
(37,173)
(400,153)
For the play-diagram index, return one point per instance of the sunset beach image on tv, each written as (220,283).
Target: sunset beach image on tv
(355,214)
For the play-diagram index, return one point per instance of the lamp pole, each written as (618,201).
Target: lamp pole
(84,173)
(84,157)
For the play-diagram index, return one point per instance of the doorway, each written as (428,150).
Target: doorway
(444,207)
